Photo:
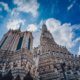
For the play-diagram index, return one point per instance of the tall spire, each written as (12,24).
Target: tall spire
(46,39)
(44,27)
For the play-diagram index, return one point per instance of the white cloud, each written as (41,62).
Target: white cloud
(6,7)
(14,12)
(32,27)
(62,34)
(15,23)
(28,6)
(77,40)
(36,29)
(71,5)
(79,51)
(76,27)
(36,40)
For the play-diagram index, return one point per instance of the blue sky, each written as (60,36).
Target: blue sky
(62,18)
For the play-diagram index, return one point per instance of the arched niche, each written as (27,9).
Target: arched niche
(28,77)
(18,78)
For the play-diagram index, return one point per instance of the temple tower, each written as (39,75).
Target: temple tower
(15,39)
(16,55)
(51,56)
(46,40)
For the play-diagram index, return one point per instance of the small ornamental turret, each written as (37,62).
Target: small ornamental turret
(44,27)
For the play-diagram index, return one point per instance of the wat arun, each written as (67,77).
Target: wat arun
(49,61)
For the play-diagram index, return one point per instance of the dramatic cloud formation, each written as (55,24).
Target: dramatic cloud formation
(63,34)
(28,6)
(15,23)
(5,6)
(32,13)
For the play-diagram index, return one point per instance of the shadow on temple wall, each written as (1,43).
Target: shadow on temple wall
(9,76)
